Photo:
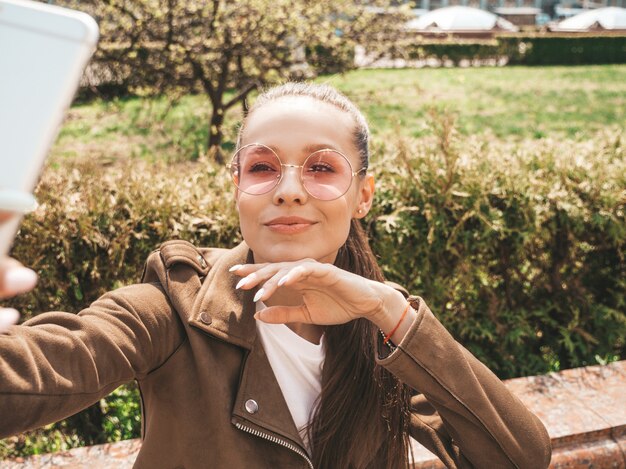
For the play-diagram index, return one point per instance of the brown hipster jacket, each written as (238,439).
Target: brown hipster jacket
(209,395)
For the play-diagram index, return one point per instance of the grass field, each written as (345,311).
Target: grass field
(516,101)
(506,102)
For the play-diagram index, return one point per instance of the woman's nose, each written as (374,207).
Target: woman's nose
(290,188)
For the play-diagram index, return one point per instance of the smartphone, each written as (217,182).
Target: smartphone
(43,52)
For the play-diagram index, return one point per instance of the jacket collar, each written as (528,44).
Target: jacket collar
(228,315)
(219,309)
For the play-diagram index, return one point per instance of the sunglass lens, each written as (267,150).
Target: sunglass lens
(255,169)
(327,175)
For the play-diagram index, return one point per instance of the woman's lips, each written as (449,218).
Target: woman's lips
(290,229)
(289,225)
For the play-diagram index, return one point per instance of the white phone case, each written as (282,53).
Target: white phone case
(43,52)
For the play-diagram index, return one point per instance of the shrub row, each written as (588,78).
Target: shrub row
(528,50)
(519,248)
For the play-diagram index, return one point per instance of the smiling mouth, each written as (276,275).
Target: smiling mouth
(290,226)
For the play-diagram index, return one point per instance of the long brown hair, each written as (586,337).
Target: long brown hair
(360,420)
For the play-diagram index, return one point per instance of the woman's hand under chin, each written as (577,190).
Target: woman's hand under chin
(329,295)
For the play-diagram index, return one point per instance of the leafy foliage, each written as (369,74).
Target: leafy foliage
(519,249)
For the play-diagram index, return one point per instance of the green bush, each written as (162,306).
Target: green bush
(329,60)
(519,248)
(456,50)
(527,49)
(96,225)
(564,50)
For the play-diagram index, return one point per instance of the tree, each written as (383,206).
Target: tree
(227,49)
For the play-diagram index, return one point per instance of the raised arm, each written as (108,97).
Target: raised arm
(56,364)
(464,414)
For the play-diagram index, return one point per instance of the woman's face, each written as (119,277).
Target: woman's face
(286,223)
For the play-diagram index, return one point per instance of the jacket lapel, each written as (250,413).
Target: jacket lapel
(260,400)
(219,309)
(228,315)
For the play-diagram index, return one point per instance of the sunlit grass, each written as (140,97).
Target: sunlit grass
(526,102)
(507,103)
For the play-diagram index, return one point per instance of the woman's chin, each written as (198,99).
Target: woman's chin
(291,254)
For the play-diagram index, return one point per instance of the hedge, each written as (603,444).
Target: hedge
(519,248)
(527,50)
(496,232)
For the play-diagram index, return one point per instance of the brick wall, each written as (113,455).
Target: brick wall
(584,410)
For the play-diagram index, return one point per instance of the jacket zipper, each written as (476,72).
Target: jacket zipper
(276,440)
(267,436)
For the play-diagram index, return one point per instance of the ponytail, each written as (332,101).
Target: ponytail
(361,418)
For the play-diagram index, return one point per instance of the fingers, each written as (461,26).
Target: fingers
(272,276)
(15,278)
(8,317)
(6,216)
(268,278)
(284,315)
(279,279)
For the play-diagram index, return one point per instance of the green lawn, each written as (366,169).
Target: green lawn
(529,102)
(508,102)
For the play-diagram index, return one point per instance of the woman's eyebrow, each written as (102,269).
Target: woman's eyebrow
(311,148)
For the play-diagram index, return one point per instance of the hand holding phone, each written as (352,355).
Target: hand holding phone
(14,279)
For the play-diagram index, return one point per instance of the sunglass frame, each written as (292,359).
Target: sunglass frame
(287,165)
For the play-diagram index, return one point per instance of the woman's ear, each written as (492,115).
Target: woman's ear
(366,196)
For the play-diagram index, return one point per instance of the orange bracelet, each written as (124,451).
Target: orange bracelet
(406,310)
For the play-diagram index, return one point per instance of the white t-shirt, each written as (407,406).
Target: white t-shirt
(297,365)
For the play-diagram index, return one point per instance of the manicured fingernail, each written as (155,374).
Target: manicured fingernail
(19,279)
(235,268)
(241,283)
(282,280)
(8,317)
(258,295)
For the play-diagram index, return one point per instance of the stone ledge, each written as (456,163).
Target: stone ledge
(119,455)
(584,410)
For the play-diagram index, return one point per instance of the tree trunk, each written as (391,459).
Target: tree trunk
(215,134)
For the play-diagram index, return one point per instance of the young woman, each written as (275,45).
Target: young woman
(286,351)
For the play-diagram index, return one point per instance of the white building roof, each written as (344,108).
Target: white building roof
(605,18)
(459,18)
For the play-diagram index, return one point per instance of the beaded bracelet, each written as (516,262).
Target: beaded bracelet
(390,344)
(388,336)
